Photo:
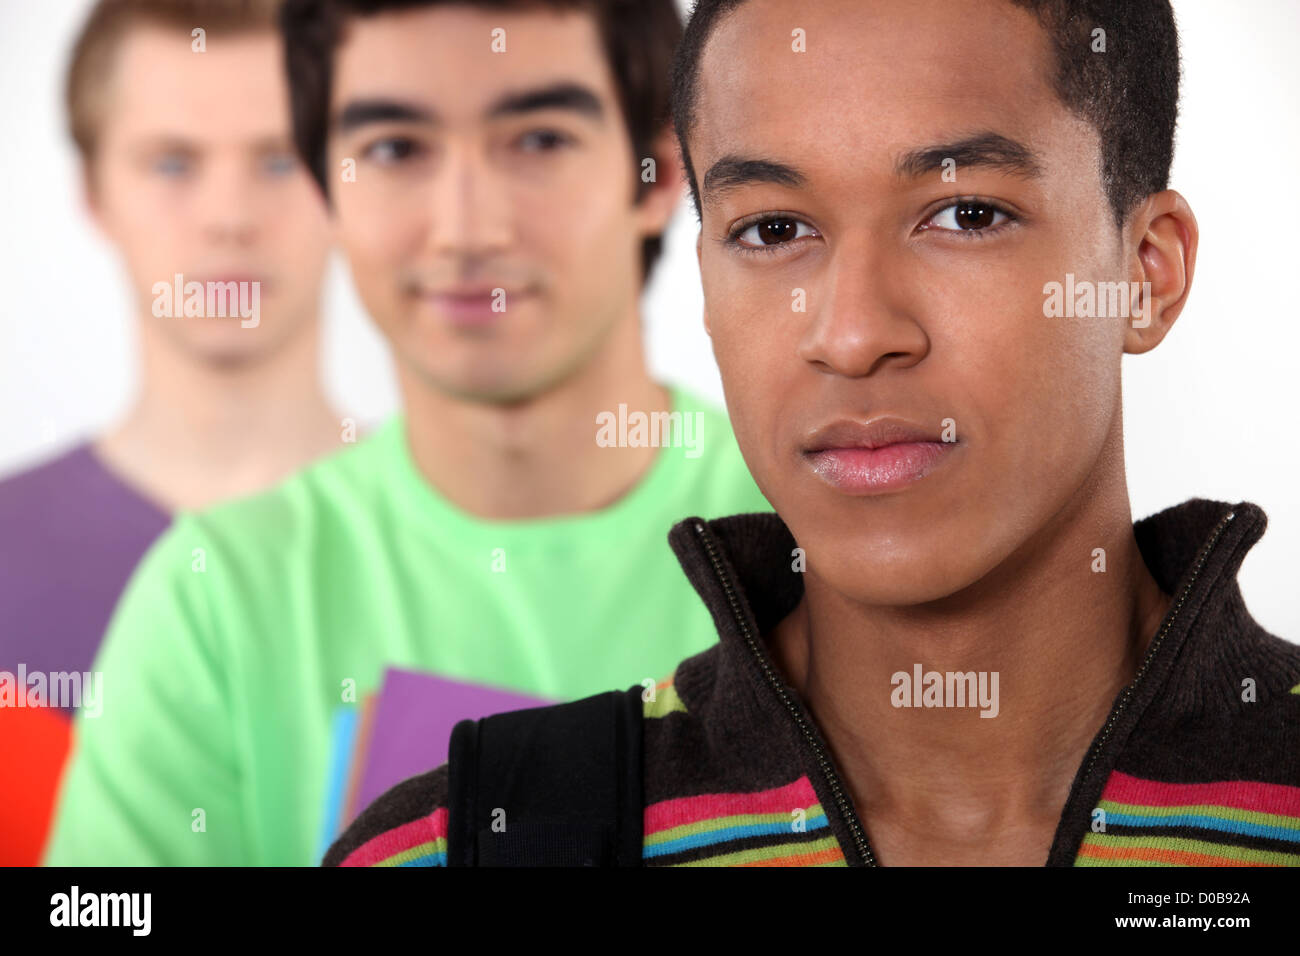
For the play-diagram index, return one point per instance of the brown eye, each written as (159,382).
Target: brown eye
(969,215)
(774,231)
(974,215)
(392,151)
(777,230)
(543,141)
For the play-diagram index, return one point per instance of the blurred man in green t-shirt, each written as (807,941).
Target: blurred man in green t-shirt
(499,179)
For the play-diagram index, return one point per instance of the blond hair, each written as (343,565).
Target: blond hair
(110,21)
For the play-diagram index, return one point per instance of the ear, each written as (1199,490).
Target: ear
(1164,235)
(89,195)
(662,194)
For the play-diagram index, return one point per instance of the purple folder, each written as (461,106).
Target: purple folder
(414,715)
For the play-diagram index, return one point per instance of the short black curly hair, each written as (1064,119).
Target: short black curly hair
(1130,95)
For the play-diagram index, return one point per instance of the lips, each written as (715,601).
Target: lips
(884,455)
(474,305)
(467,292)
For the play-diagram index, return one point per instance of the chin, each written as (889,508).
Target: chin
(900,567)
(925,568)
(488,386)
(225,349)
(894,584)
(492,374)
(230,344)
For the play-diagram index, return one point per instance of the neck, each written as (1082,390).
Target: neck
(199,431)
(1062,641)
(537,457)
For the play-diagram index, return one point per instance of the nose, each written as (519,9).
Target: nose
(229,204)
(862,322)
(471,215)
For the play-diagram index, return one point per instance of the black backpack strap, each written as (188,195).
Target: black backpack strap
(549,786)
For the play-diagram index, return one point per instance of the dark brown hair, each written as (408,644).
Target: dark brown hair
(639,39)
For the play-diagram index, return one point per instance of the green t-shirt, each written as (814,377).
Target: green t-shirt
(230,649)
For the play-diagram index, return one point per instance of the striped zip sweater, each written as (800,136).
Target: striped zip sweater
(1197,764)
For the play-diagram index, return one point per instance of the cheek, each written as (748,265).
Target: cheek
(754,341)
(153,246)
(377,237)
(580,221)
(755,329)
(298,218)
(144,218)
(1037,392)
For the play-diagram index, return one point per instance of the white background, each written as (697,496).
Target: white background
(1210,413)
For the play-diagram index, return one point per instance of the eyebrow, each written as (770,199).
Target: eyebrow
(986,149)
(178,142)
(364,112)
(558,96)
(731,172)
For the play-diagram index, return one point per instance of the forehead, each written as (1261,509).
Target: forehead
(235,89)
(444,57)
(876,79)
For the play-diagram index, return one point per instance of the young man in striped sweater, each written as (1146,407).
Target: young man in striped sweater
(889,212)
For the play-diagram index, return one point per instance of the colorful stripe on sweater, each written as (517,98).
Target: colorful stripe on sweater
(1147,823)
(785,826)
(1231,823)
(664,701)
(421,842)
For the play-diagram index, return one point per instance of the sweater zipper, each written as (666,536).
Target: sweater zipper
(1127,693)
(837,788)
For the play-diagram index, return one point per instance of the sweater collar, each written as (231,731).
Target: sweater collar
(741,566)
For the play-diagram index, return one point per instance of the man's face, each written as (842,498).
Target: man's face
(490,224)
(196,175)
(918,308)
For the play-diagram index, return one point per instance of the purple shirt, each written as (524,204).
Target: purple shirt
(70,535)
